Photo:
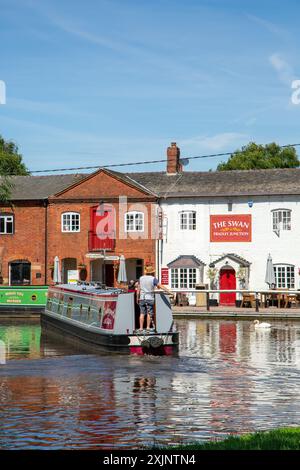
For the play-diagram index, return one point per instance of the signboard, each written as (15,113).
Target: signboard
(230,228)
(164,276)
(108,320)
(73,276)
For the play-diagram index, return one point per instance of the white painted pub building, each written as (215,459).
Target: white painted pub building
(218,228)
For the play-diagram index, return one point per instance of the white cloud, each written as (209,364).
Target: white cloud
(268,25)
(216,142)
(283,68)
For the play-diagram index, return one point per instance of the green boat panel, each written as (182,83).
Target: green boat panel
(23,296)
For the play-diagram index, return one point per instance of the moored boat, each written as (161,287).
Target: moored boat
(105,318)
(15,300)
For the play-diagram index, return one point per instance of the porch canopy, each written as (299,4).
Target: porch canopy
(231,257)
(186,261)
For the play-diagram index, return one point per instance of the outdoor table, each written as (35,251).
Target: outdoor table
(248,299)
(282,299)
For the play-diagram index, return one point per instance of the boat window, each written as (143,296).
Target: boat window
(100,314)
(69,307)
(60,306)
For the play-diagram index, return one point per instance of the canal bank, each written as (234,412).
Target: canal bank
(237,313)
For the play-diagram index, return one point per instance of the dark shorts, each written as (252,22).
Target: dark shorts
(147,306)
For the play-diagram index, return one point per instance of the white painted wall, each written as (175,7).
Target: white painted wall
(284,249)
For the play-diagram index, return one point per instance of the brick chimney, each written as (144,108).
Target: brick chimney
(173,165)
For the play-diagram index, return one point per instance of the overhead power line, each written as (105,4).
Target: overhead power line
(145,162)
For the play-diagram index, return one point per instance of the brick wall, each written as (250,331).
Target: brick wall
(27,242)
(75,245)
(101,187)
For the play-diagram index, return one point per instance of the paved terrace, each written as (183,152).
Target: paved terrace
(237,313)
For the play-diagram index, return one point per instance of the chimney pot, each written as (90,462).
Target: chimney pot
(173,164)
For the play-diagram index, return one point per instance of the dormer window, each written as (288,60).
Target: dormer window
(188,220)
(70,222)
(6,224)
(281,220)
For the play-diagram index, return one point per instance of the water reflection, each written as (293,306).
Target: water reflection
(228,377)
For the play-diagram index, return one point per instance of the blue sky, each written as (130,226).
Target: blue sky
(98,82)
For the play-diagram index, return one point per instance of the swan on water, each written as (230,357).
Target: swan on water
(257,324)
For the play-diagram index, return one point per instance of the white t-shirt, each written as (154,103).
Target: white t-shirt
(147,284)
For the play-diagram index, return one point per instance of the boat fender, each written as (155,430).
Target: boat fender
(145,343)
(156,342)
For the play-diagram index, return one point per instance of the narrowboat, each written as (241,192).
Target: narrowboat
(107,318)
(15,300)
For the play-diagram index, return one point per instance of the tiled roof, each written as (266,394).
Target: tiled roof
(40,187)
(187,184)
(238,259)
(186,261)
(222,183)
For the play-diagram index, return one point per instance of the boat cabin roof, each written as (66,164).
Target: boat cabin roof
(87,288)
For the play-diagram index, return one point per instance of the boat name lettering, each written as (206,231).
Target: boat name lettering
(19,294)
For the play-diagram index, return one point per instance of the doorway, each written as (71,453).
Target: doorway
(134,268)
(20,273)
(227,281)
(96,270)
(109,275)
(68,264)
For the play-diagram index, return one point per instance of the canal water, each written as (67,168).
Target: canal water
(228,378)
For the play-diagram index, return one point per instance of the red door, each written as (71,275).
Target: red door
(102,228)
(227,281)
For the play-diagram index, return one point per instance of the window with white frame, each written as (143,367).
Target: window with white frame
(183,278)
(6,224)
(284,276)
(188,220)
(281,219)
(70,222)
(134,221)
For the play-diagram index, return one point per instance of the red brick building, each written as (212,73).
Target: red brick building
(89,227)
(80,219)
(87,220)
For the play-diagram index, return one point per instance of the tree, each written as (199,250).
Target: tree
(254,156)
(10,164)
